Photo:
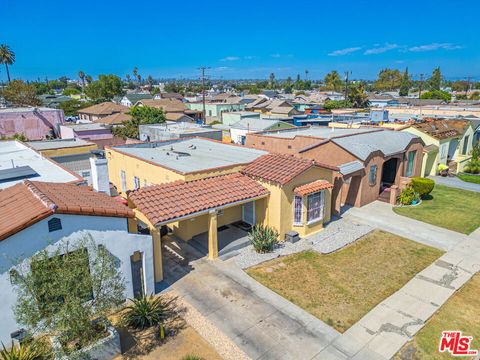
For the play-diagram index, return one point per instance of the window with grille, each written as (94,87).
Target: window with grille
(297,210)
(54,224)
(315,206)
(136,182)
(372,175)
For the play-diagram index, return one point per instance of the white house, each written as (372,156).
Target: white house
(239,130)
(40,215)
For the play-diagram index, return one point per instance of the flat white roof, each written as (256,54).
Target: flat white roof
(323,132)
(24,109)
(191,155)
(58,144)
(15,154)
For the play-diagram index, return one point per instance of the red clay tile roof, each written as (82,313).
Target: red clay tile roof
(312,187)
(443,129)
(160,203)
(26,203)
(278,168)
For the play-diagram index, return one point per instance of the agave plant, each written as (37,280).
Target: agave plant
(149,311)
(263,238)
(192,357)
(24,351)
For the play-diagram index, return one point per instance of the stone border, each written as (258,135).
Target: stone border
(411,205)
(222,344)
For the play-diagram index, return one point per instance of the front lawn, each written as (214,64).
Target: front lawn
(448,207)
(460,312)
(340,288)
(469,178)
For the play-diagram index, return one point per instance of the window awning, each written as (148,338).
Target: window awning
(312,187)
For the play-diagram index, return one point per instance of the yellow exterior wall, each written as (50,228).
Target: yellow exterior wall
(69,151)
(279,212)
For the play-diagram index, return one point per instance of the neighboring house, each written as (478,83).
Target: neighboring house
(230,118)
(274,107)
(34,123)
(40,215)
(174,109)
(61,147)
(449,142)
(165,95)
(52,101)
(19,161)
(129,100)
(173,130)
(240,129)
(98,111)
(382,101)
(214,111)
(370,161)
(90,131)
(114,119)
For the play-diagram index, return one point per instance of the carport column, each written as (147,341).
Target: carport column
(212,235)
(157,254)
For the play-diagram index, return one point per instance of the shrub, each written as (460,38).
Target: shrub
(407,196)
(472,167)
(32,350)
(422,186)
(192,357)
(263,238)
(149,311)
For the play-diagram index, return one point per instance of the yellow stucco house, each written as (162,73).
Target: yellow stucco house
(447,142)
(203,189)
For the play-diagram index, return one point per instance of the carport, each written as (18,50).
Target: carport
(199,207)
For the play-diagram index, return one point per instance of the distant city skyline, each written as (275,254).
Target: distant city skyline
(240,41)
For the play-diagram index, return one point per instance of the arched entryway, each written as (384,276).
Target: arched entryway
(389,173)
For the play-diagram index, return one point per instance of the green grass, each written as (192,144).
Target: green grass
(340,288)
(460,312)
(450,208)
(469,178)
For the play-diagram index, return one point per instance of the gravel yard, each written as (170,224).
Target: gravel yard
(336,235)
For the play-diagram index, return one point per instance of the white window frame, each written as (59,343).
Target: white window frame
(123,179)
(295,198)
(321,207)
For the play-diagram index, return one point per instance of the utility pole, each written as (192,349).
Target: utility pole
(346,85)
(203,68)
(421,86)
(468,84)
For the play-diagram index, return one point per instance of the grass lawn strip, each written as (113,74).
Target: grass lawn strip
(460,312)
(469,178)
(450,208)
(340,288)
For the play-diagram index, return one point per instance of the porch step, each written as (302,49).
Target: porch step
(174,250)
(384,196)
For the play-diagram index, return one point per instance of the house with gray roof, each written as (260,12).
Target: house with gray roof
(370,160)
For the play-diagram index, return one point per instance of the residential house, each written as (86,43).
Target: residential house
(449,142)
(230,118)
(129,100)
(369,161)
(19,161)
(53,101)
(173,130)
(274,107)
(166,95)
(89,131)
(174,109)
(380,101)
(41,215)
(34,123)
(96,112)
(240,129)
(214,110)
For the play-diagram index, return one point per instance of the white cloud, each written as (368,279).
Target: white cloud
(434,46)
(342,52)
(381,49)
(249,57)
(230,58)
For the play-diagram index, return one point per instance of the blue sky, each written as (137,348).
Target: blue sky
(240,39)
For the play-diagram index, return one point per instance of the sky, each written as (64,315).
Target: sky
(240,39)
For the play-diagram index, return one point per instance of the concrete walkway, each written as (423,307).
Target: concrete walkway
(261,323)
(456,183)
(381,215)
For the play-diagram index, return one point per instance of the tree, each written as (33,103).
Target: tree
(81,75)
(306,74)
(140,115)
(88,79)
(436,94)
(61,291)
(333,81)
(357,97)
(127,76)
(105,88)
(150,82)
(71,107)
(336,104)
(406,83)
(272,80)
(435,81)
(71,90)
(19,93)
(388,79)
(7,57)
(135,72)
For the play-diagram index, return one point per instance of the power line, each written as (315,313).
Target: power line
(203,68)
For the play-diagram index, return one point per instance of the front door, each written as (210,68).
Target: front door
(248,213)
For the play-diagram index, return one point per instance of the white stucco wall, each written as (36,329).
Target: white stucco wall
(108,231)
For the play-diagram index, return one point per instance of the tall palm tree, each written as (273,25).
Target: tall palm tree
(306,74)
(88,78)
(135,73)
(81,75)
(7,57)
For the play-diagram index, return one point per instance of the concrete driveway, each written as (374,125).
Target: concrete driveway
(456,183)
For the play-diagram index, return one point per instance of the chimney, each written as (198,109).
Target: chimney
(99,172)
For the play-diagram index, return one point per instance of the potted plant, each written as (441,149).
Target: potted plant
(443,170)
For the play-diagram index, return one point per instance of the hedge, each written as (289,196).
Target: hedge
(422,186)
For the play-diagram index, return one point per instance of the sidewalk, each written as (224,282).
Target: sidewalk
(456,183)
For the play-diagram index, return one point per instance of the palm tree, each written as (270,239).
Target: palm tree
(306,74)
(7,57)
(127,77)
(81,75)
(88,78)
(135,72)
(332,80)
